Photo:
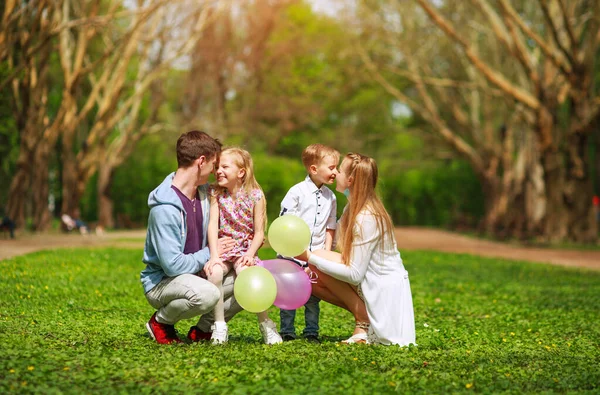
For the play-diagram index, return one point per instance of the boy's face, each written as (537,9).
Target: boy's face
(324,172)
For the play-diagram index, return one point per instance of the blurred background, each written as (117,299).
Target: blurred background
(483,115)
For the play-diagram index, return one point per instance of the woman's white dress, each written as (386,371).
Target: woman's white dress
(377,267)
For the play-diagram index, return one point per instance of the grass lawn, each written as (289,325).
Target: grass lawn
(72,321)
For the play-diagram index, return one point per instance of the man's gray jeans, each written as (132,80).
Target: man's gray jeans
(187,296)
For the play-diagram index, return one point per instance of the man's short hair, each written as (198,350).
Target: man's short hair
(194,144)
(315,153)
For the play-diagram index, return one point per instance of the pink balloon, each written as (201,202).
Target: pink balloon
(293,284)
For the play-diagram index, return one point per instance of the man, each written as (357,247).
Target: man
(176,245)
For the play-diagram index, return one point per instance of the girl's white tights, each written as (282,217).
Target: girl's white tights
(217,279)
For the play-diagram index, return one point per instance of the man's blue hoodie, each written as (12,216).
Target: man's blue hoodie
(167,232)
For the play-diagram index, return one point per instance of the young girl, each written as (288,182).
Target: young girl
(369,259)
(237,210)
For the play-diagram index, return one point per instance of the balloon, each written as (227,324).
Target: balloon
(293,284)
(255,289)
(289,235)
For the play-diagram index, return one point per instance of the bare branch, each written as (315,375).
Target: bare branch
(492,75)
(553,29)
(568,26)
(497,26)
(521,52)
(429,112)
(556,57)
(443,82)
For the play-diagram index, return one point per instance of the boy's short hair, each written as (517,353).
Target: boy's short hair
(315,153)
(194,144)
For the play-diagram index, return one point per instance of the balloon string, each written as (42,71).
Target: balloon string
(312,276)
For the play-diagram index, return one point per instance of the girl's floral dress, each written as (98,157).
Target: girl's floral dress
(236,220)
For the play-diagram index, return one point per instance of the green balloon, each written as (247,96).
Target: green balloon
(289,235)
(255,289)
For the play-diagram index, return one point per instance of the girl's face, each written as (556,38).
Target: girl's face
(342,179)
(229,175)
(325,172)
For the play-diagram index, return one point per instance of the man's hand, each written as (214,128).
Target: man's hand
(225,244)
(210,265)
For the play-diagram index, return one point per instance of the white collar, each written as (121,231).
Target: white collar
(312,186)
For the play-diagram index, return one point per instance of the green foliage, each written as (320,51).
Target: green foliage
(73,321)
(444,195)
(276,175)
(147,167)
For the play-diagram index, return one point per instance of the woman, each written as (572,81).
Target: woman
(369,259)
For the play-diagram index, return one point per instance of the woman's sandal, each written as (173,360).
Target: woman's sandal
(359,338)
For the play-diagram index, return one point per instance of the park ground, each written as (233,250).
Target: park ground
(409,238)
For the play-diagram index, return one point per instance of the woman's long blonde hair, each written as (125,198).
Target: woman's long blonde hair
(243,160)
(362,170)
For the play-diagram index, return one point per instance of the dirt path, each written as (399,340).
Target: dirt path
(408,239)
(439,240)
(27,243)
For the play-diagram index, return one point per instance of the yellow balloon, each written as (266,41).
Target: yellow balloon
(289,235)
(255,289)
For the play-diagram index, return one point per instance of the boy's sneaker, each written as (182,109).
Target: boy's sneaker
(269,332)
(162,333)
(288,337)
(219,333)
(312,339)
(197,335)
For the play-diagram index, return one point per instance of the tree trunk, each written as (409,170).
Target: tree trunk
(70,201)
(17,193)
(21,181)
(40,178)
(515,199)
(105,202)
(569,190)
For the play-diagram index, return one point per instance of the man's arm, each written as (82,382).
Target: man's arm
(164,233)
(214,244)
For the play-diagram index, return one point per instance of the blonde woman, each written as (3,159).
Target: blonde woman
(369,260)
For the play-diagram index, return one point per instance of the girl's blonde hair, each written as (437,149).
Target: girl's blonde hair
(364,174)
(243,160)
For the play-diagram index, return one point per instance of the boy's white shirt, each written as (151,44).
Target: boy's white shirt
(316,206)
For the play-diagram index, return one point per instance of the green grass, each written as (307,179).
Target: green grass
(72,321)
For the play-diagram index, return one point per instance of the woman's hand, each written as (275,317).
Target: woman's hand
(304,256)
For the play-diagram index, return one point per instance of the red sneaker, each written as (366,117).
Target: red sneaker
(162,333)
(196,335)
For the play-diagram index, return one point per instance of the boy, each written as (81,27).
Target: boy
(312,201)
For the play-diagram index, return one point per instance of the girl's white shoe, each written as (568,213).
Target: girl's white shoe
(220,333)
(269,332)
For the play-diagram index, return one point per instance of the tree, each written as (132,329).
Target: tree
(516,102)
(25,46)
(110,57)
